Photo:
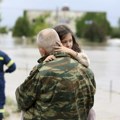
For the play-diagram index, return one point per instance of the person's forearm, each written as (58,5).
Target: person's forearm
(83,59)
(73,53)
(80,57)
(12,68)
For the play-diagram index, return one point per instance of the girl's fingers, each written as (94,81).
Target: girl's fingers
(49,58)
(56,50)
(56,47)
(53,57)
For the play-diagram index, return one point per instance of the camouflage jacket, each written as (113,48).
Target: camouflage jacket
(61,89)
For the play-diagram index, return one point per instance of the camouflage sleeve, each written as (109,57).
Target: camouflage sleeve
(26,92)
(92,77)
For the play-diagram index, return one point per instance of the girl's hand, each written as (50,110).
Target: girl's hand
(49,58)
(61,48)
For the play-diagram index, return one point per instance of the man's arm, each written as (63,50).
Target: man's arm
(92,77)
(26,92)
(9,63)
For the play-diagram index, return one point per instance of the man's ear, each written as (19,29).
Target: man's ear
(42,51)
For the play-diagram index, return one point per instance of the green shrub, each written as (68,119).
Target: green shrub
(3,30)
(115,33)
(22,28)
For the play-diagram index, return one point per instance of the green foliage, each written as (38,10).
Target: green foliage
(39,27)
(3,30)
(94,33)
(10,107)
(40,23)
(93,26)
(22,27)
(115,33)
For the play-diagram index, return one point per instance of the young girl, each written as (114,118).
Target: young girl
(69,45)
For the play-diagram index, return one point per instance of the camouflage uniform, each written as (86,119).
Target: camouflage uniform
(62,89)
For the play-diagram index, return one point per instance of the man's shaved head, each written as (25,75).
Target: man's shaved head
(47,38)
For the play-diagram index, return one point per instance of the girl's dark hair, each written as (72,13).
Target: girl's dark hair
(62,31)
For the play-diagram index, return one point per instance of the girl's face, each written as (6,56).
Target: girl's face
(67,41)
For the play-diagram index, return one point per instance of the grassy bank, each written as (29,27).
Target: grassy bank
(10,109)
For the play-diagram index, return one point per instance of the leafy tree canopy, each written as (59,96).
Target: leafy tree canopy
(93,26)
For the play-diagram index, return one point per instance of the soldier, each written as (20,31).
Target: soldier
(11,66)
(59,89)
(70,46)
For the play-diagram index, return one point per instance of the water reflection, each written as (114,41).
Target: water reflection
(114,42)
(7,41)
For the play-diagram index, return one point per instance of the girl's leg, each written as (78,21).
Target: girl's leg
(91,115)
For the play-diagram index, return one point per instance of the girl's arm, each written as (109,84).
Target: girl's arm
(81,57)
(49,58)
